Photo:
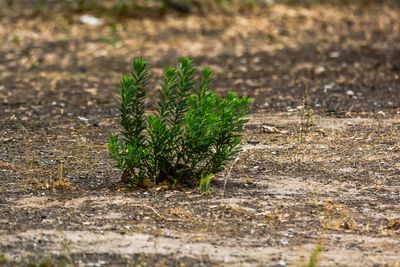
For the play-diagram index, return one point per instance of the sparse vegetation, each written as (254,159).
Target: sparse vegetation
(307,115)
(193,134)
(63,259)
(58,69)
(49,262)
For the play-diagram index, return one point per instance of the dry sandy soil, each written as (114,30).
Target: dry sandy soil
(334,184)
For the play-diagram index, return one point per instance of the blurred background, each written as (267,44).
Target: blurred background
(70,55)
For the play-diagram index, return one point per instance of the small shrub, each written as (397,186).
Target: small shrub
(192,134)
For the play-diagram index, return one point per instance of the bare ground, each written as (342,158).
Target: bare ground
(335,183)
(339,186)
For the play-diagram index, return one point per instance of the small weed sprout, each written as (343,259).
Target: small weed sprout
(60,181)
(113,37)
(307,115)
(205,184)
(2,258)
(193,134)
(313,261)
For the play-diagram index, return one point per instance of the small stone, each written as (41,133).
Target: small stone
(328,87)
(381,113)
(83,119)
(269,129)
(284,241)
(319,70)
(334,54)
(90,20)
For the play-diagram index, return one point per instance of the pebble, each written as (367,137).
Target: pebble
(83,119)
(90,20)
(334,54)
(284,241)
(320,70)
(381,113)
(328,86)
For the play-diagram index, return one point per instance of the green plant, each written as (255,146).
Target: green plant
(205,184)
(307,115)
(314,257)
(2,258)
(39,7)
(192,134)
(113,37)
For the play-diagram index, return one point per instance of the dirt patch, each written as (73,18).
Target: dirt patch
(284,195)
(335,182)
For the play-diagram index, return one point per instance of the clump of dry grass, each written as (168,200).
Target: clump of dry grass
(8,166)
(337,217)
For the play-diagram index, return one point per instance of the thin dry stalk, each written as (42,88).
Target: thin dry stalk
(6,123)
(228,175)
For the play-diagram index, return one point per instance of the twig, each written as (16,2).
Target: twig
(149,207)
